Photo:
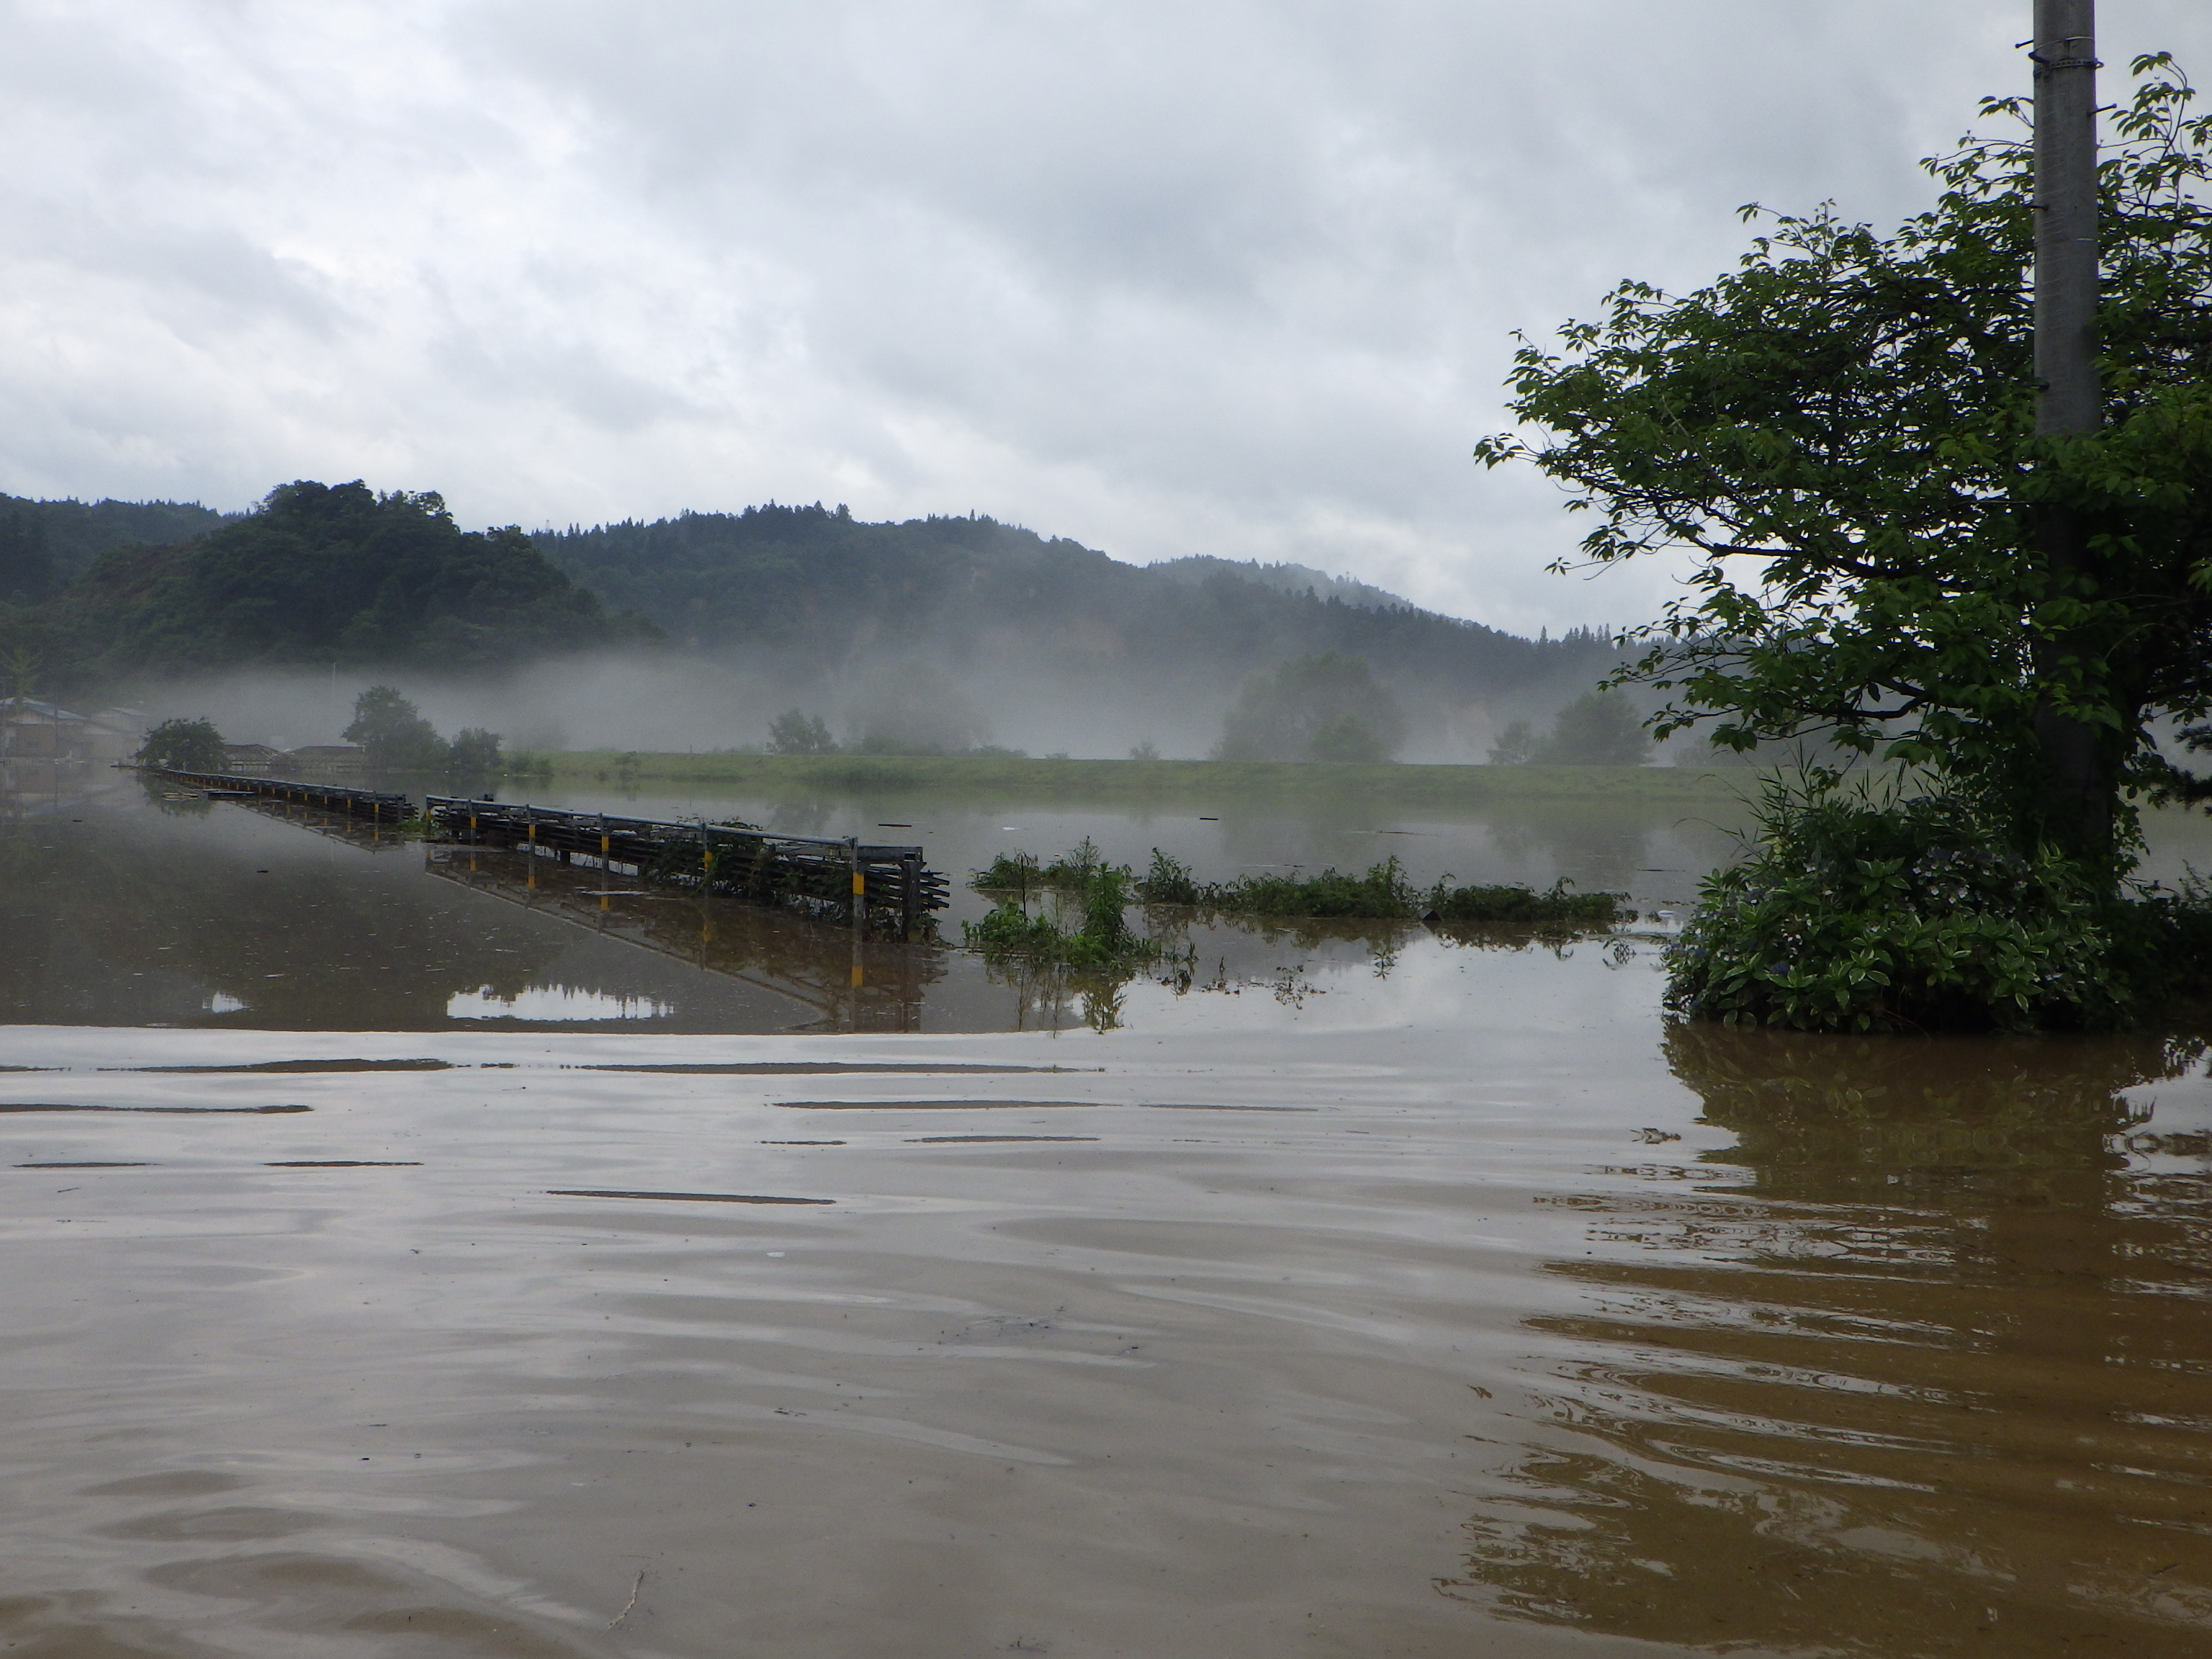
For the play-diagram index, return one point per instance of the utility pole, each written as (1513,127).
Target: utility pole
(2069,400)
(2066,217)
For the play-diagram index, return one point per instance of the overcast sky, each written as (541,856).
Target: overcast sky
(1166,278)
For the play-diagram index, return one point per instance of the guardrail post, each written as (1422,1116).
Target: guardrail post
(859,916)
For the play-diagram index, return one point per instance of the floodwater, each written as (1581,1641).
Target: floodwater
(1391,1296)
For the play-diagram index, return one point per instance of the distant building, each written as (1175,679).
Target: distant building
(31,730)
(327,757)
(254,759)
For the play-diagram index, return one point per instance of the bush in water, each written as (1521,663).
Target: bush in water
(1856,915)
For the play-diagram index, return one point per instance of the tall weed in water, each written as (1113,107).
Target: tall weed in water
(1102,941)
(1855,913)
(1381,893)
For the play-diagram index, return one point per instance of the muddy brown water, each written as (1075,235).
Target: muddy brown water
(1401,1297)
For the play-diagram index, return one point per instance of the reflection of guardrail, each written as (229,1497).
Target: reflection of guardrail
(885,886)
(324,797)
(767,949)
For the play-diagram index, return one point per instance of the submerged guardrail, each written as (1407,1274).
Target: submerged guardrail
(373,803)
(885,887)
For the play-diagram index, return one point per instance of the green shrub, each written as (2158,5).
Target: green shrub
(1168,881)
(1512,904)
(1104,942)
(1010,873)
(1008,930)
(1073,872)
(1854,915)
(1380,893)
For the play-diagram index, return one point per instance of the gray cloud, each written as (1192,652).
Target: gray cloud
(1235,278)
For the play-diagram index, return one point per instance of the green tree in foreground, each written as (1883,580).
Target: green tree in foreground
(1326,708)
(392,733)
(1840,435)
(183,746)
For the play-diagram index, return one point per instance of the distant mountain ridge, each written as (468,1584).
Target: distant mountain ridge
(1027,640)
(1290,578)
(1022,620)
(46,545)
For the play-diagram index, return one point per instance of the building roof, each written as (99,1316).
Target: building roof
(30,708)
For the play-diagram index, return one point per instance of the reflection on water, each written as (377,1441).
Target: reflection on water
(136,909)
(1654,852)
(828,980)
(552,1002)
(138,904)
(1923,1364)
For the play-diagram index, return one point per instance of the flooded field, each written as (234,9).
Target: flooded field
(410,1259)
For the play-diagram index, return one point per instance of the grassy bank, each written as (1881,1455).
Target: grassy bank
(1166,780)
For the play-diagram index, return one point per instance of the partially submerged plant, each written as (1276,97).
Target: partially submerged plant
(1168,881)
(1102,940)
(1381,893)
(1510,905)
(1855,913)
(1010,873)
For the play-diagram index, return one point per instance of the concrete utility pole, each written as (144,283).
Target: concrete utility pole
(2069,400)
(2066,216)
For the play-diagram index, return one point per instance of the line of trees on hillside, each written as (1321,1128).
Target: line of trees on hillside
(317,573)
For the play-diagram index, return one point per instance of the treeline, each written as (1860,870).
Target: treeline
(388,729)
(935,636)
(46,545)
(317,574)
(972,596)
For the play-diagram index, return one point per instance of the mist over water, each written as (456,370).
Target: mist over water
(664,703)
(646,702)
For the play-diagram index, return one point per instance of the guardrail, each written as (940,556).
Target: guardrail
(372,804)
(883,886)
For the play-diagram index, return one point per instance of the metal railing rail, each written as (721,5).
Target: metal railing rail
(867,883)
(374,804)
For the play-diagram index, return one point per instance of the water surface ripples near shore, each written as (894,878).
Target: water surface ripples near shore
(1449,1304)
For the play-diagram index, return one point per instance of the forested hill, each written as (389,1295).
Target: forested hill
(830,590)
(318,575)
(46,545)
